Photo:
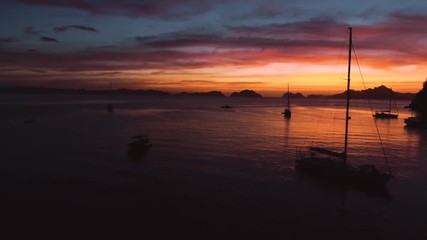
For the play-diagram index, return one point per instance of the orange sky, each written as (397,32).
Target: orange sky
(217,47)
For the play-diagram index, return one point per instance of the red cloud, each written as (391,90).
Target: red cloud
(394,43)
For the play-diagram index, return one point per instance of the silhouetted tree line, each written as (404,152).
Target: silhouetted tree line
(419,103)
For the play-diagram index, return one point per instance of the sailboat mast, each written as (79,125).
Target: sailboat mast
(350,44)
(288,97)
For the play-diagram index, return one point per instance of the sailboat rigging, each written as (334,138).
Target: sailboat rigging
(385,114)
(287,113)
(331,165)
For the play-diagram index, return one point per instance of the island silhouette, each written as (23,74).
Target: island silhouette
(246,93)
(381,92)
(201,94)
(293,95)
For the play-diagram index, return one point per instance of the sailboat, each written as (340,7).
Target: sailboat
(139,146)
(287,113)
(333,166)
(385,114)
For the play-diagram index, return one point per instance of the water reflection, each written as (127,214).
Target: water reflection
(286,134)
(417,143)
(341,189)
(404,148)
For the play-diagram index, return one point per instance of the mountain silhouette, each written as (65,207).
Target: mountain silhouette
(123,91)
(293,95)
(381,92)
(201,94)
(246,93)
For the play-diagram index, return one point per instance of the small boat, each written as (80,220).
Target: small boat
(287,113)
(139,146)
(386,114)
(226,106)
(32,120)
(334,167)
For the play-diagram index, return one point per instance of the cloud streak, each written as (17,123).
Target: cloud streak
(49,39)
(32,31)
(167,9)
(8,40)
(78,27)
(204,56)
(297,42)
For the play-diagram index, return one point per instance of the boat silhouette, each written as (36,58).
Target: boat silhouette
(333,166)
(139,146)
(287,112)
(386,114)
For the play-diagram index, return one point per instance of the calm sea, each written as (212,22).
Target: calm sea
(245,153)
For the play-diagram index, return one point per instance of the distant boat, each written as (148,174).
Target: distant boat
(139,146)
(333,166)
(32,120)
(226,106)
(386,114)
(287,113)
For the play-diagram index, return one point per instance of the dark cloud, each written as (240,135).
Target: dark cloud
(79,27)
(317,41)
(32,31)
(268,10)
(143,8)
(49,39)
(8,40)
(106,73)
(29,32)
(37,70)
(282,37)
(316,28)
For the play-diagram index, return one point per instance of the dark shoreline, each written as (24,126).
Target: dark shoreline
(381,92)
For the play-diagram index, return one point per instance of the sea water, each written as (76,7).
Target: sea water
(247,151)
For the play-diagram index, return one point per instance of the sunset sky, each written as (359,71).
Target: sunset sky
(206,45)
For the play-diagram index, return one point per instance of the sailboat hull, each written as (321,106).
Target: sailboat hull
(287,113)
(139,147)
(385,115)
(364,176)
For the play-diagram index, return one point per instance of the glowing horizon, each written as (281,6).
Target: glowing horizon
(204,46)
